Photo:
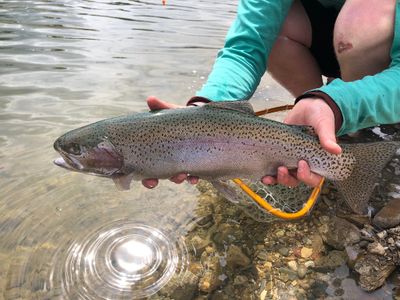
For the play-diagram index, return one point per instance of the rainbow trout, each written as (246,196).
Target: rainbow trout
(219,141)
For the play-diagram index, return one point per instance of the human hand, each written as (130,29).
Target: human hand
(316,113)
(155,104)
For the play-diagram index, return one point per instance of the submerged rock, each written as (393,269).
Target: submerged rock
(236,258)
(331,261)
(389,215)
(340,233)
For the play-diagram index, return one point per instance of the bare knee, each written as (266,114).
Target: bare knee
(363,37)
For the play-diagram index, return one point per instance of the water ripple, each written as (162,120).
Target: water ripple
(122,259)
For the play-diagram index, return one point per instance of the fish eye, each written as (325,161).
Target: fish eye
(74,149)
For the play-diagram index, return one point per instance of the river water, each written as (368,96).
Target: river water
(66,63)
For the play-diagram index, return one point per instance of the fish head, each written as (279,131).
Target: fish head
(89,151)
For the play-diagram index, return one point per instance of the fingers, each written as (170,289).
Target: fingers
(283,177)
(153,182)
(268,180)
(182,177)
(155,104)
(179,178)
(193,179)
(305,175)
(150,182)
(327,137)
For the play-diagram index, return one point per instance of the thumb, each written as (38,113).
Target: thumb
(327,137)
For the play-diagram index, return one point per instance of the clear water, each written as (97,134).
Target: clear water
(66,63)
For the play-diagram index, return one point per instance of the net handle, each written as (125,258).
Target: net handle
(264,203)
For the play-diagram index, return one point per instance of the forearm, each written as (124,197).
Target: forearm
(243,60)
(370,101)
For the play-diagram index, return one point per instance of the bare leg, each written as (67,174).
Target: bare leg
(290,62)
(363,37)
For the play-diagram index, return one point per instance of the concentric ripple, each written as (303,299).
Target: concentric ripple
(122,260)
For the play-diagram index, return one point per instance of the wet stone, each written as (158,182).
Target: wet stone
(353,253)
(199,244)
(331,261)
(306,252)
(376,248)
(373,271)
(382,234)
(262,255)
(389,215)
(240,280)
(209,281)
(341,233)
(236,258)
(302,271)
(219,295)
(283,251)
(292,265)
(309,264)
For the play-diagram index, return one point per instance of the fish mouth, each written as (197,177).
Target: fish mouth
(63,164)
(69,163)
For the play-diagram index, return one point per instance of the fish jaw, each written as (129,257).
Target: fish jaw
(63,164)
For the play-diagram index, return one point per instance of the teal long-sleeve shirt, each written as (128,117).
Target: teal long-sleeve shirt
(242,62)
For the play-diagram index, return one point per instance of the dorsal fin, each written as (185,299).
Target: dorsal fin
(243,106)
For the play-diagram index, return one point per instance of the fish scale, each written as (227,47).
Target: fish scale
(219,141)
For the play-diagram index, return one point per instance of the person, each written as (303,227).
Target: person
(354,42)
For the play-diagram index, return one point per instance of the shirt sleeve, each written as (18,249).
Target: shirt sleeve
(243,60)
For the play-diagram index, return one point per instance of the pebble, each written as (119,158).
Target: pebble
(209,282)
(382,234)
(389,215)
(284,251)
(376,248)
(240,280)
(302,271)
(263,295)
(280,233)
(341,233)
(292,265)
(262,255)
(306,252)
(236,258)
(309,264)
(199,244)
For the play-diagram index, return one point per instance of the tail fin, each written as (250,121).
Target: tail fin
(371,158)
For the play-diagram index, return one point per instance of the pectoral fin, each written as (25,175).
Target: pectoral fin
(122,182)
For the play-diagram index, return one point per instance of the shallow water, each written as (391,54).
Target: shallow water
(66,63)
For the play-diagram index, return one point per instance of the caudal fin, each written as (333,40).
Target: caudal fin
(370,160)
